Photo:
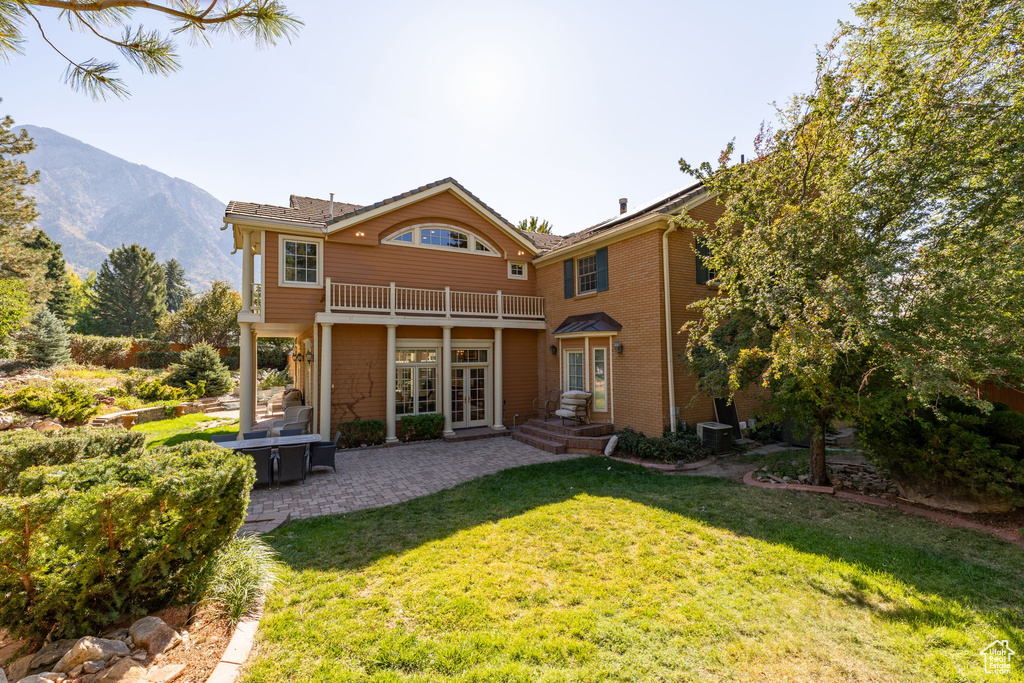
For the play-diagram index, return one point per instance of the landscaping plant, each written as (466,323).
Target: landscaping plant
(64,399)
(85,542)
(110,352)
(44,341)
(201,363)
(357,432)
(679,446)
(239,575)
(422,427)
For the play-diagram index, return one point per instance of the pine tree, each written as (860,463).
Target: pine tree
(201,362)
(131,293)
(45,340)
(61,301)
(14,306)
(534,224)
(17,213)
(177,288)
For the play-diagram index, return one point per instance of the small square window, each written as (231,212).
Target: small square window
(516,270)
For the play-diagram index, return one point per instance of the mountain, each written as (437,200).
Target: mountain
(91,201)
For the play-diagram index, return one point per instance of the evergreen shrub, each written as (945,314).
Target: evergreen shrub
(422,427)
(201,363)
(357,432)
(45,341)
(66,400)
(109,352)
(25,448)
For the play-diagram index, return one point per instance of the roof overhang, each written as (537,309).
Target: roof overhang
(343,223)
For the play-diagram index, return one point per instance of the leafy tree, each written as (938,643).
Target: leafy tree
(534,224)
(15,305)
(177,288)
(870,254)
(18,210)
(201,363)
(61,301)
(150,50)
(211,317)
(131,293)
(45,340)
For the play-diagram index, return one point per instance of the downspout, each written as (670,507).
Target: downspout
(668,326)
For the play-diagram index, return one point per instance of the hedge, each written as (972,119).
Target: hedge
(110,352)
(422,427)
(156,359)
(89,541)
(679,446)
(354,434)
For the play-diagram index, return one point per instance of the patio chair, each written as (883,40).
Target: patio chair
(223,438)
(575,406)
(292,432)
(322,454)
(255,435)
(262,460)
(291,464)
(545,407)
(295,417)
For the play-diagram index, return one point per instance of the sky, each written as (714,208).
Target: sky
(545,108)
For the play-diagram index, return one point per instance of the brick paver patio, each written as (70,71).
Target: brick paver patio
(375,477)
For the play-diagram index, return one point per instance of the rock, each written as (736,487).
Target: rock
(125,671)
(90,648)
(47,426)
(50,654)
(6,422)
(93,666)
(803,478)
(35,679)
(787,480)
(3,676)
(20,668)
(76,672)
(153,634)
(165,673)
(139,655)
(612,443)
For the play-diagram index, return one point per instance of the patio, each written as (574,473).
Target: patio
(376,477)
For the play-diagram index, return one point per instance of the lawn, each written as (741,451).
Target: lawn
(591,570)
(180,429)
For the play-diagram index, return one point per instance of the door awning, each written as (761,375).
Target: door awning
(589,322)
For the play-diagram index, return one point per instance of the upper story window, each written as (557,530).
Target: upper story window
(517,270)
(705,275)
(445,237)
(586,274)
(300,262)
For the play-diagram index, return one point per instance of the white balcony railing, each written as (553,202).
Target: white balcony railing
(257,297)
(394,300)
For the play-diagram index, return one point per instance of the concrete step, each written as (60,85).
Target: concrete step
(542,444)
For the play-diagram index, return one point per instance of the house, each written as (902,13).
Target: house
(431,302)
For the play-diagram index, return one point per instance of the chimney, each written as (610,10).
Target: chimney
(742,158)
(622,205)
(331,212)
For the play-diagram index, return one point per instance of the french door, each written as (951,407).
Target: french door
(469,396)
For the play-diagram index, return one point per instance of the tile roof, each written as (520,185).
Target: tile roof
(589,322)
(541,240)
(323,206)
(300,210)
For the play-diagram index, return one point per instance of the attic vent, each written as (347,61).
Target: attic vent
(622,205)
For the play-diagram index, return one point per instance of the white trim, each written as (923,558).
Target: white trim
(378,319)
(513,276)
(576,273)
(593,352)
(470,243)
(349,221)
(580,335)
(583,368)
(281,239)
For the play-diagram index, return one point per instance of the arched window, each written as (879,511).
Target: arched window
(440,236)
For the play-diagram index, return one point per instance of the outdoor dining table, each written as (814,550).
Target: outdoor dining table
(272,441)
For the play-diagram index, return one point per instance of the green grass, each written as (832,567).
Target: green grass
(595,571)
(181,429)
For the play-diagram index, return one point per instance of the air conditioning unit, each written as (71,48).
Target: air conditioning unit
(716,436)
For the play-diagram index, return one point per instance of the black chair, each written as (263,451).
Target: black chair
(256,435)
(322,454)
(291,432)
(262,460)
(291,464)
(223,438)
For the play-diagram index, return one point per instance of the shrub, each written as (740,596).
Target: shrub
(273,356)
(45,340)
(110,352)
(89,541)
(65,399)
(231,362)
(354,434)
(156,359)
(271,378)
(981,454)
(201,363)
(421,427)
(239,575)
(680,446)
(26,448)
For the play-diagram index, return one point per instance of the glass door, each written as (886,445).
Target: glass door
(469,397)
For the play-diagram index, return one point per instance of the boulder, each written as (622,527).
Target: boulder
(93,666)
(19,669)
(164,674)
(3,676)
(91,648)
(154,635)
(51,653)
(6,422)
(125,670)
(47,426)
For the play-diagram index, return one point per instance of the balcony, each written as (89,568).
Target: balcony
(446,303)
(257,297)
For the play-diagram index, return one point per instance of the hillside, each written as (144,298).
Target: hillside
(91,201)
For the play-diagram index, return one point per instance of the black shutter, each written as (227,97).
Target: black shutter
(703,273)
(570,277)
(601,257)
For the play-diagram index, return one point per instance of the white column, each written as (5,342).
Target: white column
(496,366)
(246,271)
(325,383)
(246,388)
(445,368)
(389,385)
